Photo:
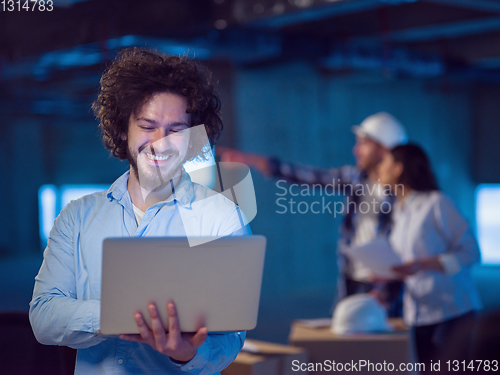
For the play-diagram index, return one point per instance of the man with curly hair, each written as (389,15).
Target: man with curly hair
(157,112)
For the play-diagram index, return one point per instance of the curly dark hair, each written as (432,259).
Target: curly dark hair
(135,76)
(417,171)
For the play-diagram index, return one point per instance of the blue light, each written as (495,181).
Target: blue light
(124,41)
(68,193)
(47,197)
(488,222)
(51,199)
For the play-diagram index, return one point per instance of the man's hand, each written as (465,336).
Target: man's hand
(411,268)
(407,269)
(180,347)
(252,160)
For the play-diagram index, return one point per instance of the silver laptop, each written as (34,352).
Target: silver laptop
(217,282)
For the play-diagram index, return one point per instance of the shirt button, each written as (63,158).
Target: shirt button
(190,367)
(120,361)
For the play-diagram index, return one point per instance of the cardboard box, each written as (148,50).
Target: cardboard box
(268,359)
(324,347)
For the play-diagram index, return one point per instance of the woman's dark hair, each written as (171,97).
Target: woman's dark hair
(138,74)
(417,172)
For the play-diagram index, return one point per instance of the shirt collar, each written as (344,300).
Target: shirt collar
(183,193)
(119,187)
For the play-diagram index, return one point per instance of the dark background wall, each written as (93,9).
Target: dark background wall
(280,98)
(292,111)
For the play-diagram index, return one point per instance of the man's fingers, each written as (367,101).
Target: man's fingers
(199,338)
(219,150)
(141,324)
(399,268)
(144,331)
(230,155)
(225,154)
(159,335)
(174,331)
(404,270)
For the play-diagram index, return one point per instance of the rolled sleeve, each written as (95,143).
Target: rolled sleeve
(199,362)
(450,263)
(305,174)
(216,353)
(462,246)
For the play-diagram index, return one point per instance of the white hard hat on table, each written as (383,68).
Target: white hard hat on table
(360,313)
(383,128)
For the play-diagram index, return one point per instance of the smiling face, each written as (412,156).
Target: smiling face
(158,141)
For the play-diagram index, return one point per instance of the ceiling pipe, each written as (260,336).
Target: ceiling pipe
(320,12)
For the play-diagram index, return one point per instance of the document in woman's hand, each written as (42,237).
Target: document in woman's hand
(378,256)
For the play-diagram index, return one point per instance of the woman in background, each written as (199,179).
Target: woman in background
(437,248)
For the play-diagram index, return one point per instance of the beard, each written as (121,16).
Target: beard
(153,178)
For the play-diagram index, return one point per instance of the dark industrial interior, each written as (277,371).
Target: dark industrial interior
(293,75)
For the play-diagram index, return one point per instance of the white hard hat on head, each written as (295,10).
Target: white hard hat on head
(383,128)
(360,313)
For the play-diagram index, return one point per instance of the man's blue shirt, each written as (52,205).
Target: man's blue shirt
(65,309)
